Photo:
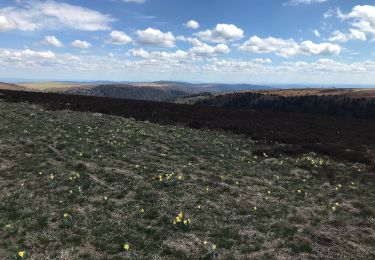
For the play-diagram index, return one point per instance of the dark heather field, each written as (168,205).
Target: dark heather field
(356,103)
(99,178)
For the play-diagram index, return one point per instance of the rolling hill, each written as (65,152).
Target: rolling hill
(336,102)
(9,86)
(154,91)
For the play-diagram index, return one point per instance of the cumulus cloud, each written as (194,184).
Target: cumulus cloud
(207,50)
(304,2)
(192,24)
(25,58)
(141,53)
(24,54)
(81,44)
(288,48)
(222,33)
(53,41)
(119,38)
(363,17)
(338,36)
(155,37)
(5,24)
(37,15)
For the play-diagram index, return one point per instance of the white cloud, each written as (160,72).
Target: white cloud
(329,66)
(5,24)
(135,1)
(305,2)
(363,17)
(207,50)
(25,58)
(119,38)
(262,60)
(316,33)
(141,53)
(24,54)
(81,44)
(180,65)
(37,15)
(53,41)
(192,24)
(288,48)
(338,36)
(222,33)
(155,37)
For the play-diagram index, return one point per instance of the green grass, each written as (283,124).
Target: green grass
(120,181)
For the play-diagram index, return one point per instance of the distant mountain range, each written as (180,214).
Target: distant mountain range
(152,91)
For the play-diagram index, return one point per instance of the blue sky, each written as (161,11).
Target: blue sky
(237,41)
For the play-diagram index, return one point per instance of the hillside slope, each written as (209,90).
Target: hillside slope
(11,86)
(334,102)
(138,92)
(94,186)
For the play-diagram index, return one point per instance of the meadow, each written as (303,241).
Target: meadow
(80,185)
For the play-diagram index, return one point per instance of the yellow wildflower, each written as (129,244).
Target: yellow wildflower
(66,215)
(22,254)
(126,247)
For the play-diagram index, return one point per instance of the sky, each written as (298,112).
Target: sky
(236,41)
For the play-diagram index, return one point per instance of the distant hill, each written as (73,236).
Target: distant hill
(138,91)
(153,91)
(336,102)
(217,87)
(11,86)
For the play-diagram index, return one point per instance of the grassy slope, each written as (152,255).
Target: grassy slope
(222,180)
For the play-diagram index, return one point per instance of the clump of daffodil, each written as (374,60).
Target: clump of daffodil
(168,179)
(181,221)
(126,247)
(22,254)
(74,175)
